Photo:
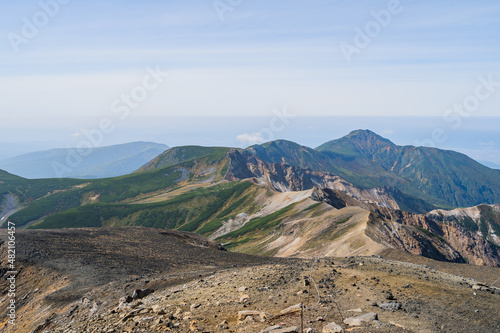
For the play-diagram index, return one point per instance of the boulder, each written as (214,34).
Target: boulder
(242,315)
(292,309)
(359,320)
(141,293)
(390,306)
(332,328)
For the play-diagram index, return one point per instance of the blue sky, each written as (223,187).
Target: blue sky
(421,60)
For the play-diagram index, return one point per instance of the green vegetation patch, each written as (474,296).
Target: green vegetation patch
(313,206)
(186,212)
(261,223)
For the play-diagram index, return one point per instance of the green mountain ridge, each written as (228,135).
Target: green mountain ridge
(416,177)
(442,177)
(185,153)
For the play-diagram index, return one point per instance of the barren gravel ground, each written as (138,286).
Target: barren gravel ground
(78,281)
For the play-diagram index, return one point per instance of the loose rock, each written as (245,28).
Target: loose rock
(359,320)
(332,328)
(390,306)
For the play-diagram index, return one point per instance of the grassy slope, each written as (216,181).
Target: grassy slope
(109,190)
(201,210)
(177,155)
(315,227)
(28,190)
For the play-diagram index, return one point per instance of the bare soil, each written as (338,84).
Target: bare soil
(77,281)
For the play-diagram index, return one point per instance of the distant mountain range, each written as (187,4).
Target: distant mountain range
(442,178)
(102,162)
(356,195)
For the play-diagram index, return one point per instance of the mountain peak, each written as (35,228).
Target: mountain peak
(367,136)
(356,142)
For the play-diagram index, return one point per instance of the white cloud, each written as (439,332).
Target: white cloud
(249,139)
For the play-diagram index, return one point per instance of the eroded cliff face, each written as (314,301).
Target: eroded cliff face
(283,178)
(456,236)
(483,220)
(420,234)
(407,238)
(471,246)
(393,228)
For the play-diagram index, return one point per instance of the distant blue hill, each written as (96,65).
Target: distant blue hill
(490,164)
(101,162)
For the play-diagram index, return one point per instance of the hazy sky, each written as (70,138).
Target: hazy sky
(65,61)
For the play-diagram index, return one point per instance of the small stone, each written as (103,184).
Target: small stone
(389,296)
(271,329)
(355,310)
(359,320)
(332,328)
(390,306)
(291,329)
(378,324)
(247,320)
(136,304)
(141,293)
(242,289)
(291,309)
(194,306)
(242,315)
